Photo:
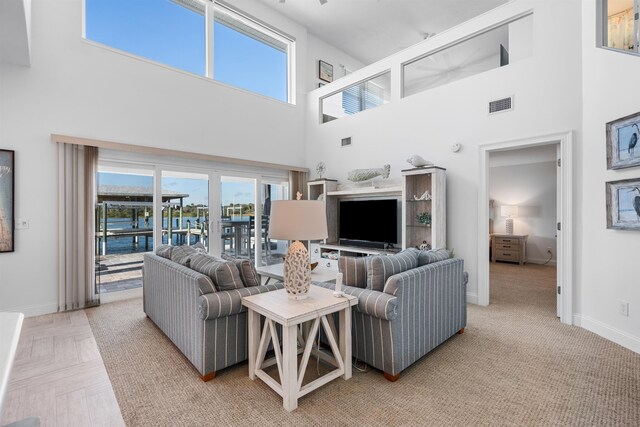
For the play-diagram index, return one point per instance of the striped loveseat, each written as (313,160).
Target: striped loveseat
(417,310)
(208,326)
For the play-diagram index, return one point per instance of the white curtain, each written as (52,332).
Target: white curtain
(77,168)
(297,182)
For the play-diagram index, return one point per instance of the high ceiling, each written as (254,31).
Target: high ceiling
(370,30)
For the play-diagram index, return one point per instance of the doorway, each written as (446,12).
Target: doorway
(522,226)
(563,251)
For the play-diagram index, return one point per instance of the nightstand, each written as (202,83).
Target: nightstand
(509,247)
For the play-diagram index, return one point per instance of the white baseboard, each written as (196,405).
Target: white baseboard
(34,310)
(612,334)
(540,261)
(472,298)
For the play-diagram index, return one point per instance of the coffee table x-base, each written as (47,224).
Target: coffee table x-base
(312,313)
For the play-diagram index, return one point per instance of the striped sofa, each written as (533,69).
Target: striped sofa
(417,310)
(209,327)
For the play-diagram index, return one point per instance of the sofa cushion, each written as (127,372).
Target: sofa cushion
(354,270)
(182,254)
(224,274)
(200,247)
(381,267)
(248,273)
(222,304)
(164,251)
(434,255)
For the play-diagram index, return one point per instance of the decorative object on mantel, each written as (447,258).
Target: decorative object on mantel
(425,196)
(622,141)
(298,195)
(321,197)
(360,175)
(424,246)
(320,169)
(623,204)
(418,162)
(297,220)
(424,218)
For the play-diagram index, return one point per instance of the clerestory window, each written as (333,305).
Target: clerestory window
(202,37)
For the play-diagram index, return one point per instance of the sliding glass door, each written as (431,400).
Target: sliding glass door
(272,250)
(237,216)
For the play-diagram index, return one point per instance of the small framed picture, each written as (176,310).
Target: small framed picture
(622,142)
(325,71)
(623,204)
(6,200)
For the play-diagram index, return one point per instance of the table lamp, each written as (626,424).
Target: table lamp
(510,212)
(297,220)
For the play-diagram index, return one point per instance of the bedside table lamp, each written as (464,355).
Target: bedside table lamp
(510,212)
(297,220)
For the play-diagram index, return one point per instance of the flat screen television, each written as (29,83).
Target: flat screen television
(369,220)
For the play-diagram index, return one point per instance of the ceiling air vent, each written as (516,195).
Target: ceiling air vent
(501,105)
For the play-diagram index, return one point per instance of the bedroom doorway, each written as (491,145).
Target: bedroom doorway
(522,229)
(563,231)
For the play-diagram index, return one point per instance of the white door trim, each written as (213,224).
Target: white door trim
(565,246)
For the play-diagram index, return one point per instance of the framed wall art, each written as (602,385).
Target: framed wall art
(623,204)
(6,200)
(622,142)
(325,71)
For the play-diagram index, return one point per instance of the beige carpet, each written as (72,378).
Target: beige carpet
(515,365)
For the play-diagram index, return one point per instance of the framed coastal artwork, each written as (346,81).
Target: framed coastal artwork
(623,204)
(622,142)
(6,200)
(325,71)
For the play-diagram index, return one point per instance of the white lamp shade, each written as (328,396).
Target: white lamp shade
(509,211)
(298,220)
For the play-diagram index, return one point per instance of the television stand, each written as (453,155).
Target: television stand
(327,254)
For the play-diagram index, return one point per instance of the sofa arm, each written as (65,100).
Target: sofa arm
(374,303)
(226,303)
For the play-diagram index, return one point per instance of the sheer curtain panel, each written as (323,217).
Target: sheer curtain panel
(297,182)
(77,168)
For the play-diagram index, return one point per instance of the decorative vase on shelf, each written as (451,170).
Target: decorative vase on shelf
(424,218)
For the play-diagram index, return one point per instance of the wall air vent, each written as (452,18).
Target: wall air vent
(501,105)
(346,142)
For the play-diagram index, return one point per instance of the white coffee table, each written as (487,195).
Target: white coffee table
(316,310)
(276,271)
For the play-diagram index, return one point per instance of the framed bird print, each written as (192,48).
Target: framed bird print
(623,204)
(622,142)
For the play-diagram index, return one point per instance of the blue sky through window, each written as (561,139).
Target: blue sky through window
(172,34)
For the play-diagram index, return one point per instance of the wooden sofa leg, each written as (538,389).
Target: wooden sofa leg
(461,331)
(392,378)
(208,377)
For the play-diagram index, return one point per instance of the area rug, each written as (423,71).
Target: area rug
(516,364)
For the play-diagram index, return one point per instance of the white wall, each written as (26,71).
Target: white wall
(547,89)
(77,88)
(317,50)
(531,187)
(608,271)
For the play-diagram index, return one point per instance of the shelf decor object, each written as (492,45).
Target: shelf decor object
(297,220)
(622,142)
(509,211)
(424,218)
(360,175)
(623,204)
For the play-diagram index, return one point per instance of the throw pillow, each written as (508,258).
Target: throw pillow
(164,251)
(224,274)
(381,267)
(354,270)
(200,247)
(182,254)
(248,273)
(434,255)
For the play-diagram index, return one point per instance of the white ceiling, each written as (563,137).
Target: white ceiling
(370,30)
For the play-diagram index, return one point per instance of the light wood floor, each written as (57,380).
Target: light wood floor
(58,375)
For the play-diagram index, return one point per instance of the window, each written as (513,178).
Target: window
(249,56)
(242,52)
(360,97)
(620,25)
